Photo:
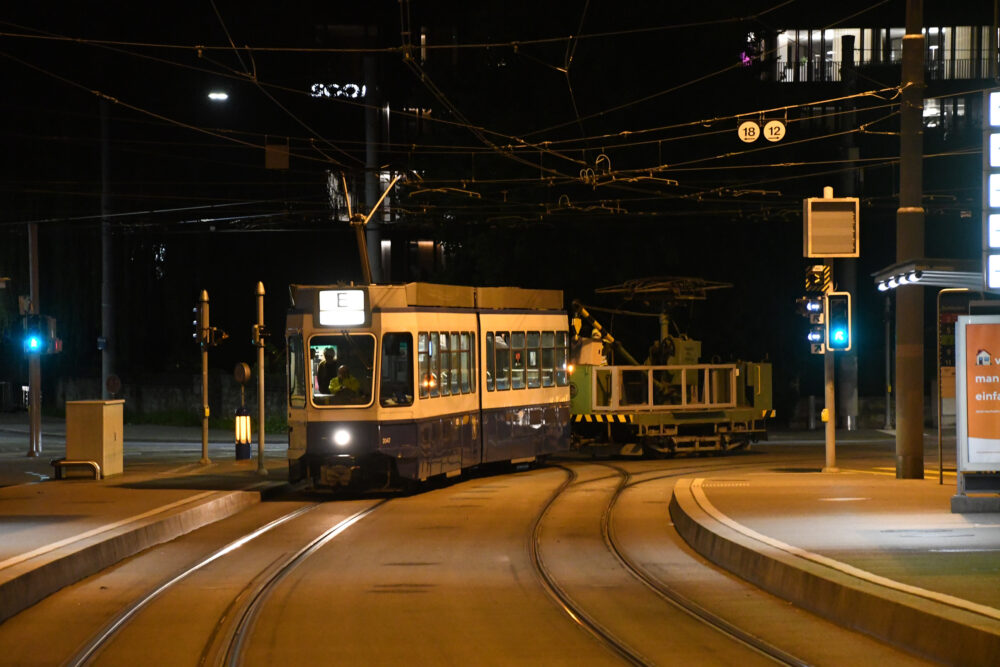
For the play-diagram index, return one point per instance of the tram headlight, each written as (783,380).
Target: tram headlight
(342,437)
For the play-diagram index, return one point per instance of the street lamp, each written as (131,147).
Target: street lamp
(242,420)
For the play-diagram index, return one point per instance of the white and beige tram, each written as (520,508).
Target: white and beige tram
(395,383)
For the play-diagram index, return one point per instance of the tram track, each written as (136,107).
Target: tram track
(606,636)
(561,598)
(250,611)
(230,633)
(671,595)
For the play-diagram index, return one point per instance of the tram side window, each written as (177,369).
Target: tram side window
(517,360)
(434,354)
(490,367)
(548,358)
(532,343)
(456,362)
(562,347)
(444,376)
(466,380)
(501,379)
(296,372)
(424,364)
(429,359)
(396,385)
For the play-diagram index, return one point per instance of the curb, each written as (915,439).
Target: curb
(928,627)
(35,577)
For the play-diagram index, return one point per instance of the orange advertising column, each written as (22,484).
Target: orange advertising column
(977,370)
(982,394)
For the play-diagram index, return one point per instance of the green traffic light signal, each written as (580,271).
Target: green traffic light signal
(33,343)
(838,321)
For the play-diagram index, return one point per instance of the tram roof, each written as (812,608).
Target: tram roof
(442,296)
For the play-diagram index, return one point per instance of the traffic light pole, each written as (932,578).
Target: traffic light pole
(261,469)
(203,322)
(830,394)
(831,414)
(34,360)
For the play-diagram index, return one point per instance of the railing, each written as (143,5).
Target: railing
(663,388)
(934,70)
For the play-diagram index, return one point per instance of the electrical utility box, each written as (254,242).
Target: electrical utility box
(830,227)
(94,433)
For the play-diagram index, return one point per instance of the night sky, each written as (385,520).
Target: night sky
(555,145)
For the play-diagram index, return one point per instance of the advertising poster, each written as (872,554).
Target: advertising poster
(980,366)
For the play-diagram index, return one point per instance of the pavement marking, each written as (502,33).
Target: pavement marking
(14,560)
(711,510)
(187,467)
(892,472)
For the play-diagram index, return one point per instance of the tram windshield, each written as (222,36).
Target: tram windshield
(342,368)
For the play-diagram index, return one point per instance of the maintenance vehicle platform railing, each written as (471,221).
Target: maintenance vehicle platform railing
(663,388)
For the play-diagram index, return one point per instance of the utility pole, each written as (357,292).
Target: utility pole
(373,244)
(847,362)
(910,246)
(107,342)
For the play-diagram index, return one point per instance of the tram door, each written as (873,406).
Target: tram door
(297,388)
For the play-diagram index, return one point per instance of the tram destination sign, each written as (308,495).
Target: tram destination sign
(343,307)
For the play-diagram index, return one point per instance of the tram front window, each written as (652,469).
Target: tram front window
(342,367)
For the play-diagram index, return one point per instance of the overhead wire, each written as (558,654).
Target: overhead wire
(526,146)
(688,83)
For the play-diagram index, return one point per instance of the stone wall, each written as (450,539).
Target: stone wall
(177,395)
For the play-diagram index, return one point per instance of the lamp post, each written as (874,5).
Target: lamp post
(242,421)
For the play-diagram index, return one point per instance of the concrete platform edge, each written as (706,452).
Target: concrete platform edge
(919,625)
(38,578)
(974,504)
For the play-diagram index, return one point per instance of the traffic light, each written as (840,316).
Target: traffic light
(216,336)
(814,308)
(201,333)
(53,344)
(811,307)
(838,321)
(258,335)
(40,335)
(206,336)
(34,335)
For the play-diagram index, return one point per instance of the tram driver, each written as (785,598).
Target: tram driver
(344,386)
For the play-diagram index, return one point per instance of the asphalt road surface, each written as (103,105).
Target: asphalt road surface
(575,563)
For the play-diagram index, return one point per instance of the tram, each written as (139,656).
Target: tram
(394,384)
